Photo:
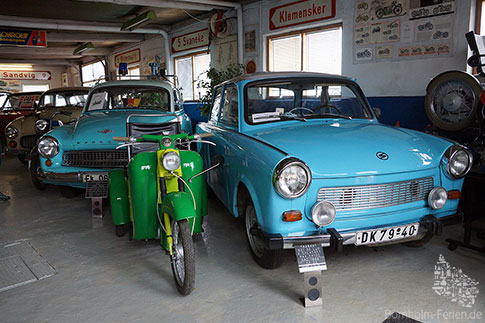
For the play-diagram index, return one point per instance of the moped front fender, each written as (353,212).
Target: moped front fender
(179,206)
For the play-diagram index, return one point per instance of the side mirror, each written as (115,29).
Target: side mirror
(377,112)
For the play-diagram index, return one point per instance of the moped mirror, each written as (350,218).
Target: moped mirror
(377,112)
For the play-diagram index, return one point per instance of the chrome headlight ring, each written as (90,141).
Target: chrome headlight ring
(41,125)
(11,132)
(48,147)
(171,161)
(292,178)
(460,161)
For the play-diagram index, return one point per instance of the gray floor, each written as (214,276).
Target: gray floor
(102,278)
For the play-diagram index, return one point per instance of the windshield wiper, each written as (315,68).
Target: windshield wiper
(287,117)
(330,115)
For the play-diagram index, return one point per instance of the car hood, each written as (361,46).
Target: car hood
(99,128)
(351,148)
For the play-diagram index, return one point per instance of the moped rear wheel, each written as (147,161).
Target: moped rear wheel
(183,258)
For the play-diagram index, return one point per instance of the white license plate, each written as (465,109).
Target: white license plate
(95,177)
(386,234)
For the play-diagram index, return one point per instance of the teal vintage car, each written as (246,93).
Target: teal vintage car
(305,161)
(84,151)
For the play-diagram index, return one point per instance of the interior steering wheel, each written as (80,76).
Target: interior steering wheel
(300,108)
(330,107)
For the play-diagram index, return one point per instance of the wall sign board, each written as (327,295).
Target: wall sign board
(130,57)
(25,75)
(191,40)
(30,38)
(300,12)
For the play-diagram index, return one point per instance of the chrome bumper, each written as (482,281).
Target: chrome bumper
(74,177)
(337,240)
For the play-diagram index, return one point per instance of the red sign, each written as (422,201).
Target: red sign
(130,57)
(25,75)
(191,40)
(300,12)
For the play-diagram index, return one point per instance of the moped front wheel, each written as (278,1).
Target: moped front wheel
(183,258)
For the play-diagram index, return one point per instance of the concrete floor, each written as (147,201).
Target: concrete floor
(102,278)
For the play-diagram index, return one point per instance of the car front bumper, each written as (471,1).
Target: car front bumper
(336,240)
(73,177)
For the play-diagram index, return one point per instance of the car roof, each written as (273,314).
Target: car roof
(161,83)
(68,89)
(26,93)
(277,75)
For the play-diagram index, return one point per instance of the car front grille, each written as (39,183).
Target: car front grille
(374,196)
(28,141)
(96,158)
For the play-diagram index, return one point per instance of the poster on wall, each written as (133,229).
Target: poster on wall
(402,29)
(300,12)
(28,38)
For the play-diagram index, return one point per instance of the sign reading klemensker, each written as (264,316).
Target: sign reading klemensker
(300,12)
(192,40)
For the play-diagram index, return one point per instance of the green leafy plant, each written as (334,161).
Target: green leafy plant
(215,77)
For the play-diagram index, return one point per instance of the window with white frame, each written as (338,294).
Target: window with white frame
(314,50)
(93,73)
(190,70)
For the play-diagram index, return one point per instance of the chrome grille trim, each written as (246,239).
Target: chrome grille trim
(350,198)
(96,158)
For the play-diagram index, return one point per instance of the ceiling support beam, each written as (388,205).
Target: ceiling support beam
(59,37)
(187,5)
(59,62)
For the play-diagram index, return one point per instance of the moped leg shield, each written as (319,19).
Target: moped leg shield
(192,164)
(118,196)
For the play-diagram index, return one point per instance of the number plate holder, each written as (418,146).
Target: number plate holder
(381,235)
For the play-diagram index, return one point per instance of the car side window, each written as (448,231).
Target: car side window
(60,101)
(229,113)
(216,105)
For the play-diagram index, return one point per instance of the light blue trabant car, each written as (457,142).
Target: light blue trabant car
(84,151)
(306,162)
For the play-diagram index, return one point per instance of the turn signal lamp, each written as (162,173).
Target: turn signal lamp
(292,216)
(12,144)
(48,163)
(454,195)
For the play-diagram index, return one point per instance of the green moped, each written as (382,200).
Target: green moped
(161,195)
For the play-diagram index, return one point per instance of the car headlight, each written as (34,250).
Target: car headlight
(323,213)
(171,161)
(437,198)
(11,132)
(460,161)
(48,147)
(41,125)
(292,178)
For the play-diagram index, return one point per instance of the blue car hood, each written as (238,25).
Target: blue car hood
(99,128)
(350,148)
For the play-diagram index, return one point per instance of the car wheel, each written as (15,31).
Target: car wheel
(420,242)
(34,169)
(266,258)
(21,159)
(452,99)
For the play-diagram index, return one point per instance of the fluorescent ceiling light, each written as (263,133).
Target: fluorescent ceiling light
(15,66)
(139,20)
(83,48)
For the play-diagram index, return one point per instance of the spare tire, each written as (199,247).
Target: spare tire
(452,99)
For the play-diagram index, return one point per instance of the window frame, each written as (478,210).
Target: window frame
(192,56)
(302,33)
(222,121)
(83,81)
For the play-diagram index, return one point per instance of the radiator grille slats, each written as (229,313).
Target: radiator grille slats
(28,141)
(374,196)
(96,158)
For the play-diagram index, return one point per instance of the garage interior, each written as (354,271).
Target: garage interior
(58,263)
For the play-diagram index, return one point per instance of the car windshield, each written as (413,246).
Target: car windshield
(129,97)
(64,99)
(302,99)
(21,101)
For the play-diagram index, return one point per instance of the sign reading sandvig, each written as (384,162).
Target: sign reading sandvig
(25,75)
(192,40)
(130,57)
(31,38)
(300,12)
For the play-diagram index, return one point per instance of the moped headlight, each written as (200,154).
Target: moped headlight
(460,161)
(323,213)
(41,125)
(48,147)
(11,132)
(292,178)
(437,198)
(171,161)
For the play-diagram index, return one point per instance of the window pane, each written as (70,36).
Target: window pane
(60,101)
(230,106)
(201,66)
(323,51)
(216,105)
(285,54)
(92,73)
(184,75)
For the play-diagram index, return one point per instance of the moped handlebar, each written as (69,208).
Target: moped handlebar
(121,138)
(206,135)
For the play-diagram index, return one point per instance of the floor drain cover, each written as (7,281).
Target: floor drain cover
(14,272)
(21,264)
